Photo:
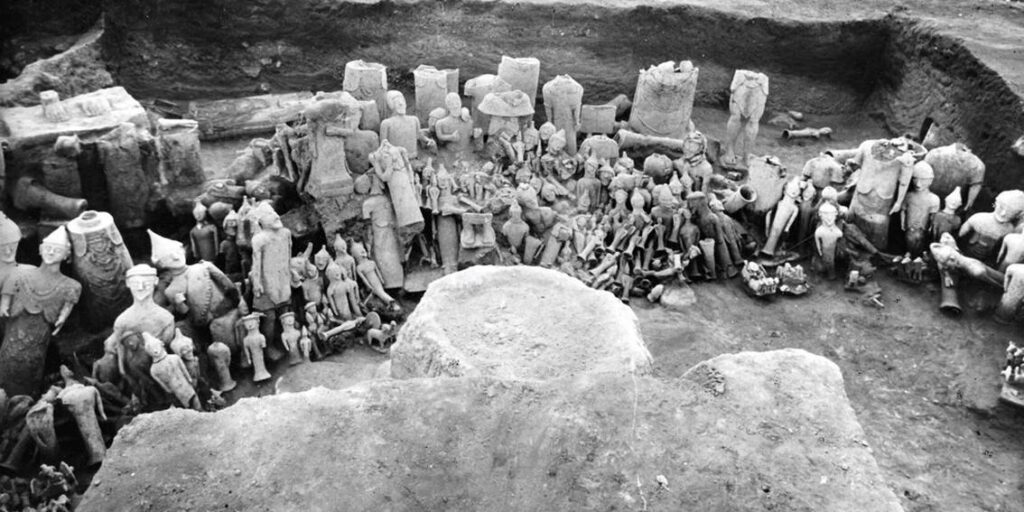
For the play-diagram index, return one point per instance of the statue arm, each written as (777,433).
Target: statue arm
(257,268)
(99,404)
(817,244)
(972,194)
(65,310)
(906,172)
(353,297)
(5,305)
(792,219)
(965,229)
(221,281)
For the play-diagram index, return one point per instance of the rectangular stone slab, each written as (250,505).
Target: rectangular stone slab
(25,127)
(254,115)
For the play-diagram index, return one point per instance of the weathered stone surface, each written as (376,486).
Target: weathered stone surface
(250,116)
(517,322)
(355,365)
(90,115)
(77,70)
(751,431)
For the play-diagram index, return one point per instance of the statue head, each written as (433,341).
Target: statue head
(953,200)
(548,193)
(716,205)
(141,280)
(453,103)
(694,144)
(322,258)
(199,212)
(620,196)
(556,144)
(154,347)
(10,237)
(288,320)
(666,198)
(605,173)
(166,253)
(527,197)
(515,211)
(340,245)
(68,146)
(268,218)
(546,130)
(829,194)
(396,102)
(68,376)
(923,175)
(794,187)
(827,213)
(530,137)
(358,251)
(590,166)
(333,272)
(56,247)
(230,224)
(624,164)
(251,321)
(1009,205)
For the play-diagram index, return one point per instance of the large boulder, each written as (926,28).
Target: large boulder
(517,322)
(752,431)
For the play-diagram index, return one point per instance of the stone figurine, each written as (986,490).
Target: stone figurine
(100,260)
(455,131)
(170,372)
(919,208)
(882,181)
(220,358)
(370,275)
(522,74)
(478,87)
(1008,309)
(826,238)
(947,220)
(401,129)
(663,102)
(391,164)
(37,302)
(185,348)
(86,407)
(367,81)
(563,99)
(203,238)
(343,293)
(982,233)
(290,338)
(127,185)
(270,277)
(254,344)
(749,92)
(383,234)
(786,213)
(432,85)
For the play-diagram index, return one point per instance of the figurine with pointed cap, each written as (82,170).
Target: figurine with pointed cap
(37,301)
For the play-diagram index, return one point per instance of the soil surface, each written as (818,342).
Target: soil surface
(744,432)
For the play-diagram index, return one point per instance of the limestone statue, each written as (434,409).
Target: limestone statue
(401,129)
(370,275)
(10,237)
(947,220)
(290,338)
(367,81)
(432,85)
(127,185)
(391,164)
(885,168)
(786,213)
(86,406)
(749,92)
(144,315)
(694,162)
(515,228)
(229,256)
(305,344)
(507,110)
(342,293)
(663,102)
(956,166)
(824,171)
(37,302)
(382,232)
(105,369)
(270,278)
(220,358)
(455,131)
(177,144)
(342,257)
(100,260)
(203,238)
(183,347)
(563,99)
(919,208)
(169,371)
(982,233)
(826,238)
(200,291)
(254,344)
(522,74)
(478,87)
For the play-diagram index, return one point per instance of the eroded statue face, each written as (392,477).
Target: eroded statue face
(8,252)
(141,287)
(53,253)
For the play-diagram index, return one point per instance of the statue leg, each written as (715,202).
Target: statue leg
(1013,295)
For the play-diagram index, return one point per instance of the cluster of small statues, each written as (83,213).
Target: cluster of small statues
(626,196)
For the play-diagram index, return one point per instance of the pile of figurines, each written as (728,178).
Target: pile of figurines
(626,196)
(52,490)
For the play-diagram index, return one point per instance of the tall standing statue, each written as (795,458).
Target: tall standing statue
(37,302)
(885,168)
(919,208)
(270,277)
(60,168)
(144,315)
(178,146)
(391,164)
(401,129)
(663,102)
(254,344)
(85,404)
(367,81)
(432,85)
(383,234)
(563,99)
(455,131)
(826,238)
(746,106)
(100,260)
(786,213)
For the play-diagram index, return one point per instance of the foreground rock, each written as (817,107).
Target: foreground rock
(517,322)
(752,431)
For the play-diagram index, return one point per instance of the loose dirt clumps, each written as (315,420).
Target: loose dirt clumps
(774,431)
(517,323)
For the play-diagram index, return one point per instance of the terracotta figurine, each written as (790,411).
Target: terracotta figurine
(169,371)
(746,106)
(254,343)
(85,404)
(919,208)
